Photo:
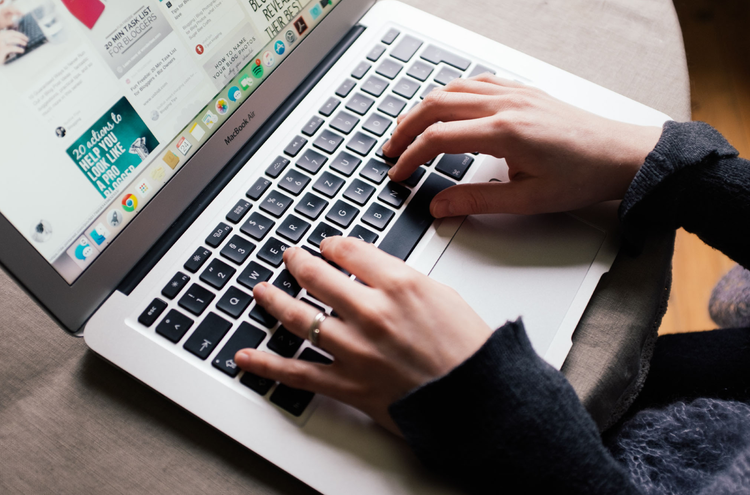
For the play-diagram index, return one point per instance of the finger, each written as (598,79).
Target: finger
(519,196)
(498,81)
(373,266)
(485,84)
(297,316)
(17,38)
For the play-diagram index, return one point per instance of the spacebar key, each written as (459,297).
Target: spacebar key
(415,220)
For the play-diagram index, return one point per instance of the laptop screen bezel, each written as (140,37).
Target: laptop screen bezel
(72,305)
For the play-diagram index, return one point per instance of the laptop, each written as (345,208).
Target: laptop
(27,25)
(179,147)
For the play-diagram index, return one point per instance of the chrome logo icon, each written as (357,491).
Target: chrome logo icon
(222,106)
(129,203)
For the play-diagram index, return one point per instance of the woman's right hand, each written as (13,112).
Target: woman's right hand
(559,157)
(11,42)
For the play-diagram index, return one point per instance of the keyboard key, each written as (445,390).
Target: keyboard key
(415,219)
(363,234)
(312,125)
(286,282)
(436,55)
(359,192)
(454,166)
(359,103)
(374,86)
(420,71)
(272,252)
(345,164)
(294,182)
(361,143)
(375,171)
(175,286)
(414,178)
(446,75)
(207,336)
(257,226)
(239,211)
(294,400)
(217,274)
(152,312)
(260,186)
(394,194)
(344,122)
(284,342)
(377,216)
(427,90)
(197,259)
(311,161)
(328,141)
(346,87)
(342,214)
(406,48)
(322,231)
(389,68)
(259,314)
(294,147)
(481,69)
(376,124)
(254,274)
(311,206)
(234,302)
(276,203)
(359,71)
(390,36)
(278,166)
(218,235)
(329,106)
(376,52)
(174,326)
(406,88)
(313,356)
(392,106)
(314,305)
(257,383)
(245,337)
(196,299)
(237,249)
(328,184)
(293,228)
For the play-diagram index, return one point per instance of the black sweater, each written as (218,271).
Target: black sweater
(504,416)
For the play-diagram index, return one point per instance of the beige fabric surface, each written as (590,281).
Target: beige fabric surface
(72,423)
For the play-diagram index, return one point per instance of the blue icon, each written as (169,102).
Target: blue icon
(98,238)
(234,93)
(279,47)
(83,250)
(315,12)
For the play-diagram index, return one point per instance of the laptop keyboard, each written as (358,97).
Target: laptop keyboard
(330,179)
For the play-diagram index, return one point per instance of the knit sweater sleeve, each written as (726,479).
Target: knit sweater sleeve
(693,179)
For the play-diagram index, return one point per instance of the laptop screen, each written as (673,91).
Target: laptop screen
(105,100)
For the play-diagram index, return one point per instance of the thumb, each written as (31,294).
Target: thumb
(488,197)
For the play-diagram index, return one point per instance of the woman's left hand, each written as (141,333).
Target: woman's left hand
(392,335)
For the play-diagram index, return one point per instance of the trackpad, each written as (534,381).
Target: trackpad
(506,266)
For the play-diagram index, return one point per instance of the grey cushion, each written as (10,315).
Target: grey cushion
(72,423)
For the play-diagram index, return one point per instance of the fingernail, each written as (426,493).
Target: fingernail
(259,290)
(391,173)
(242,358)
(441,208)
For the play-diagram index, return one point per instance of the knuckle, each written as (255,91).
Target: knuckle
(476,203)
(434,133)
(434,99)
(294,316)
(296,375)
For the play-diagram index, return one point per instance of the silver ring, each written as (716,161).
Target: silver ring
(313,334)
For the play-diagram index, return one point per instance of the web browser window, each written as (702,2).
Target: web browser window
(104,101)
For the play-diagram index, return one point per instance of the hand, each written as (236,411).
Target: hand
(559,157)
(400,331)
(11,42)
(8,16)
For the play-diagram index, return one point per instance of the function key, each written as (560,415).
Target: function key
(218,235)
(311,161)
(286,282)
(481,69)
(446,75)
(376,52)
(196,299)
(257,226)
(454,166)
(312,126)
(389,68)
(276,203)
(272,252)
(436,55)
(414,178)
(257,190)
(174,326)
(377,216)
(359,103)
(361,143)
(360,70)
(329,106)
(374,86)
(150,314)
(208,334)
(234,302)
(420,71)
(245,337)
(254,274)
(328,141)
(294,147)
(375,171)
(393,194)
(358,192)
(406,48)
(237,249)
(390,36)
(363,234)
(344,122)
(406,88)
(217,274)
(197,259)
(376,124)
(328,184)
(294,182)
(342,214)
(345,88)
(175,285)
(293,228)
(284,342)
(311,206)
(239,210)
(278,166)
(345,163)
(322,231)
(392,106)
